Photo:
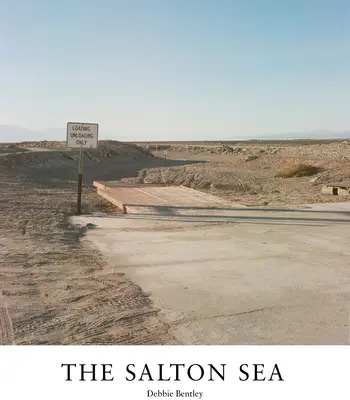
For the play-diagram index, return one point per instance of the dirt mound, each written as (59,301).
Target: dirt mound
(111,148)
(205,176)
(45,162)
(105,147)
(44,144)
(11,148)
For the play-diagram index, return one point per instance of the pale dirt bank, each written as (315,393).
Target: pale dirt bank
(56,290)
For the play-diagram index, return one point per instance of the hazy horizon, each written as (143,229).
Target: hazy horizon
(10,133)
(176,69)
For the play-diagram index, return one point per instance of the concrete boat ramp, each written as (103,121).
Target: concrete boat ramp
(236,275)
(155,199)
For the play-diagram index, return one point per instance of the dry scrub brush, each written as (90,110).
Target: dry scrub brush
(298,170)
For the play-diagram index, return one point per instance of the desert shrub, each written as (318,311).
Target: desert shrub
(143,172)
(142,175)
(298,170)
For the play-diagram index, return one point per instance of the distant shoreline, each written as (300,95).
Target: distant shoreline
(238,141)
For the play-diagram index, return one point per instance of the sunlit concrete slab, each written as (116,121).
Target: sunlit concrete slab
(143,198)
(238,276)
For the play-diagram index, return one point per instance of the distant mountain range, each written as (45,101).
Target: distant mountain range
(12,133)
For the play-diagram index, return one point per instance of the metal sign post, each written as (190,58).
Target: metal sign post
(81,136)
(80,181)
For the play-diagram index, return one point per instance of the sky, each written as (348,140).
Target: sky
(176,69)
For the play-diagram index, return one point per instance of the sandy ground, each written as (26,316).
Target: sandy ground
(59,289)
(56,290)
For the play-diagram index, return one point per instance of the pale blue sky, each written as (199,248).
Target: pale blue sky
(176,69)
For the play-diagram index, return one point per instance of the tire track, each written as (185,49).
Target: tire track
(6,331)
(58,289)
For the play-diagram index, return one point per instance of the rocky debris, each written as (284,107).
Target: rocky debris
(225,149)
(44,144)
(315,179)
(251,158)
(335,151)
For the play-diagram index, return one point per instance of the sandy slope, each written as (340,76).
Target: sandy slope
(55,289)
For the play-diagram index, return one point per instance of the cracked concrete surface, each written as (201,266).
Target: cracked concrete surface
(245,281)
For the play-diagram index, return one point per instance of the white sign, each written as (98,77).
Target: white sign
(82,135)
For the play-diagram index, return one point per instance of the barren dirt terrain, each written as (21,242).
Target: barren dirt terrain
(247,173)
(54,289)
